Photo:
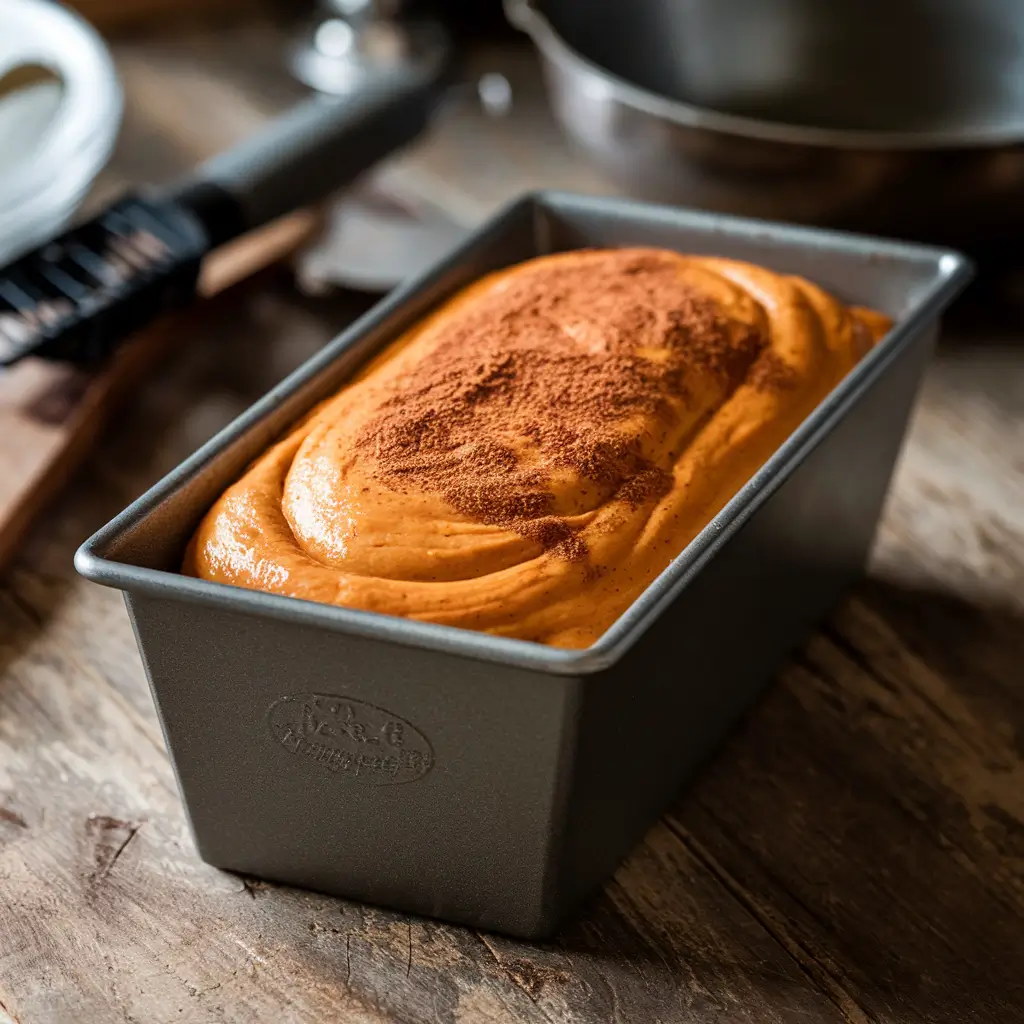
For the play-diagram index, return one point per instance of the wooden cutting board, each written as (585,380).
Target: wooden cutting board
(51,413)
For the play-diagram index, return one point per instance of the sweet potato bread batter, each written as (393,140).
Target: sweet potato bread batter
(531,456)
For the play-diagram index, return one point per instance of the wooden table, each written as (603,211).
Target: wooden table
(855,854)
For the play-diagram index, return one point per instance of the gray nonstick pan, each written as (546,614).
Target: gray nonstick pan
(475,778)
(902,118)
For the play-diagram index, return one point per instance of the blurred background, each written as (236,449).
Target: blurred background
(898,117)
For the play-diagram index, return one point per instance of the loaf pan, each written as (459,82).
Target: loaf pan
(483,780)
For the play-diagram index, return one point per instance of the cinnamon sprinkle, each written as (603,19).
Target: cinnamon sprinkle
(544,375)
(771,373)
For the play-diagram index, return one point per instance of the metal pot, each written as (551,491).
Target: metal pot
(904,118)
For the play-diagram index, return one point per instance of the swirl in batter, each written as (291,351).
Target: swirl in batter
(526,460)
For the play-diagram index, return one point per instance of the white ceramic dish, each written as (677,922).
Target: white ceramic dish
(54,140)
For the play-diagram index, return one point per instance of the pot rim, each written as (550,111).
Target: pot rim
(526,16)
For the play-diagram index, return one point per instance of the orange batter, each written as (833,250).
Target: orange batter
(527,459)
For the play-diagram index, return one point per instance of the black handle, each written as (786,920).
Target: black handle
(79,295)
(317,147)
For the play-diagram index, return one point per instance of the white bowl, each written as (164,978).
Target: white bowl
(54,140)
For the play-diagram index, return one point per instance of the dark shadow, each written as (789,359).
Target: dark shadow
(991,310)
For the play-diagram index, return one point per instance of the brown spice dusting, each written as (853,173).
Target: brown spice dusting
(644,487)
(551,372)
(553,534)
(770,373)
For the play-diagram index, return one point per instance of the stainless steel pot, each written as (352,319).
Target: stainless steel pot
(898,116)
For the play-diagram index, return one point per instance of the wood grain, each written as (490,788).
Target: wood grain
(855,854)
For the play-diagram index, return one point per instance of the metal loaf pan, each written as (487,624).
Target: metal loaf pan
(489,781)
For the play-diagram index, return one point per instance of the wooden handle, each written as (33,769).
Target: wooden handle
(246,256)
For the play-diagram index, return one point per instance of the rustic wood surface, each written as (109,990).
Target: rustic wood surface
(856,853)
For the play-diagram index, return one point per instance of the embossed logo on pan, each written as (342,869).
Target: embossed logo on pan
(351,738)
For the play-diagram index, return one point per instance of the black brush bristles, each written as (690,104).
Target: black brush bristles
(77,297)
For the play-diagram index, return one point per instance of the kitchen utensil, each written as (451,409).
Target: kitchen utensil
(490,781)
(372,241)
(50,413)
(385,230)
(59,129)
(78,297)
(906,118)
